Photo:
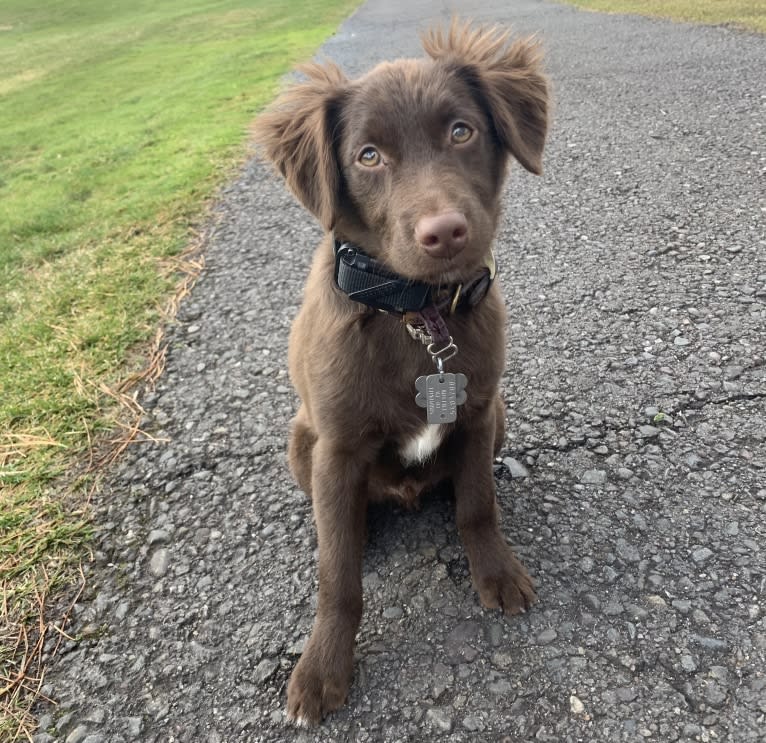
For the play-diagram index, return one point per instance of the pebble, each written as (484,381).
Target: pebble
(158,565)
(158,536)
(392,612)
(648,432)
(473,723)
(134,726)
(688,664)
(265,670)
(77,735)
(440,719)
(626,694)
(702,555)
(593,477)
(709,643)
(501,686)
(627,551)
(576,705)
(714,695)
(546,636)
(516,468)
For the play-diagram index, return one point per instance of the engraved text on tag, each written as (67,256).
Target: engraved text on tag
(440,394)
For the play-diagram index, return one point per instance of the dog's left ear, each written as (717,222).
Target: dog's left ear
(508,77)
(297,134)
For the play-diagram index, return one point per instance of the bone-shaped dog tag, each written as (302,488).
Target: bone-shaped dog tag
(440,394)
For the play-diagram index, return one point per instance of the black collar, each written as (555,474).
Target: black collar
(367,280)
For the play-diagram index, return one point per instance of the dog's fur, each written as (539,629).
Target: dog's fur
(356,434)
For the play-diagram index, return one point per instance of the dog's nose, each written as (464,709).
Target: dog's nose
(442,235)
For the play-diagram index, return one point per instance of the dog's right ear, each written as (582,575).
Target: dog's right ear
(297,134)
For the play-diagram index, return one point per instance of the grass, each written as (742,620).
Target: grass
(117,123)
(750,14)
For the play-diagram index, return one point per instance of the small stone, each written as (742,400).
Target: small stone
(576,705)
(158,536)
(547,636)
(94,738)
(265,670)
(719,673)
(516,468)
(688,664)
(440,719)
(648,432)
(134,726)
(586,564)
(593,477)
(282,390)
(473,723)
(624,473)
(501,686)
(97,715)
(679,340)
(158,565)
(392,612)
(682,605)
(709,643)
(626,694)
(715,696)
(702,555)
(627,552)
(457,647)
(78,735)
(502,660)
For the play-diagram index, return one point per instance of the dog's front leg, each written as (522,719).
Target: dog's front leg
(321,679)
(497,573)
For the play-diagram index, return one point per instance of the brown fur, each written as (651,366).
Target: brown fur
(355,369)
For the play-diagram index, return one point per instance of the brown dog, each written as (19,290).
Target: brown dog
(404,168)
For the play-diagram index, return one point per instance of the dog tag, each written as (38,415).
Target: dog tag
(440,394)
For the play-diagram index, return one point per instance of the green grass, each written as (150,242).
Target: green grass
(749,14)
(118,120)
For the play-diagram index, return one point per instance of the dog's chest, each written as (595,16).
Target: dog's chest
(423,445)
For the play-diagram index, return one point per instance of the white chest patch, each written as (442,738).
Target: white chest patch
(423,446)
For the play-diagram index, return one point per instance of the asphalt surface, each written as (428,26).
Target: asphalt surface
(635,276)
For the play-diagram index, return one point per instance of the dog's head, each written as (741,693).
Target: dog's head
(408,161)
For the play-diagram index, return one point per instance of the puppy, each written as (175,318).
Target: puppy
(399,346)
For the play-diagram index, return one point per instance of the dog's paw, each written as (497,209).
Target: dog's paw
(313,692)
(503,582)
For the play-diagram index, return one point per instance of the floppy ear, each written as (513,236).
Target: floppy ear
(507,76)
(297,133)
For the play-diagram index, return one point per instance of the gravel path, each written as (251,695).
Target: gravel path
(635,274)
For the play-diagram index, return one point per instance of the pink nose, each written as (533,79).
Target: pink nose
(442,235)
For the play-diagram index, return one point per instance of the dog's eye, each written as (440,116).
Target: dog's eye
(461,133)
(370,157)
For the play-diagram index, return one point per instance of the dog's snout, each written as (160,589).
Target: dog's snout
(442,235)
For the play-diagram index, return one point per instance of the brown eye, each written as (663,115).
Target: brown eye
(370,157)
(461,133)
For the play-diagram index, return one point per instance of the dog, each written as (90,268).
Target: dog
(399,346)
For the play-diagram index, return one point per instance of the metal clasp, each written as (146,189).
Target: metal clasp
(443,354)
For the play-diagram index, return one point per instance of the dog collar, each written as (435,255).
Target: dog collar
(366,280)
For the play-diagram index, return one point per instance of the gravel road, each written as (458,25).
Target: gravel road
(633,480)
